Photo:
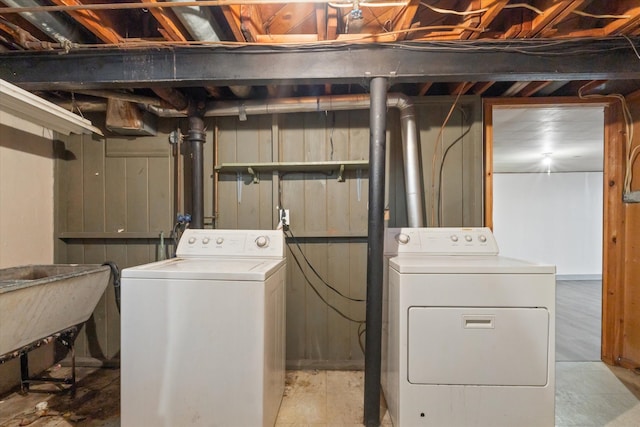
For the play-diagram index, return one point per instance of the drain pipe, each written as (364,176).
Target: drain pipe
(196,138)
(413,179)
(375,244)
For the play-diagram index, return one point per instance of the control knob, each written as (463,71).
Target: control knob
(482,238)
(192,240)
(468,238)
(219,240)
(454,238)
(262,241)
(205,240)
(403,239)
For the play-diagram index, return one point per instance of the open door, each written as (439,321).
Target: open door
(614,280)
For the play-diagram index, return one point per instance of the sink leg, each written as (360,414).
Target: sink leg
(24,372)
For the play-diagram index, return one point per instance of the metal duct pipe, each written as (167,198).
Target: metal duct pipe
(375,251)
(52,25)
(198,21)
(201,24)
(336,103)
(197,137)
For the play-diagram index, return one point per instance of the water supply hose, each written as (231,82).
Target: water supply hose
(115,272)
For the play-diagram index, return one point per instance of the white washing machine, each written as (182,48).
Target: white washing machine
(203,334)
(469,336)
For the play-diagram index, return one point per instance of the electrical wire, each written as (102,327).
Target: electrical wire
(444,157)
(439,143)
(295,241)
(315,290)
(631,153)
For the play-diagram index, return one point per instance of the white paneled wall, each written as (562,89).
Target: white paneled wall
(554,218)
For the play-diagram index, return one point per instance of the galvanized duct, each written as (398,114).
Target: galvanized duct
(400,101)
(52,25)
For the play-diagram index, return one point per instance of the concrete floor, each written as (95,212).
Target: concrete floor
(588,394)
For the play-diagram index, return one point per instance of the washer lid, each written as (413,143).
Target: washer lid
(252,269)
(469,264)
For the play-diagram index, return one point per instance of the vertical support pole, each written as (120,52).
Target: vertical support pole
(375,251)
(196,138)
(24,372)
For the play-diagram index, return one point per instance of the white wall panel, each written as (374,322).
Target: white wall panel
(554,218)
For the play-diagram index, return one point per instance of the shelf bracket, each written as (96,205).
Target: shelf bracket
(254,174)
(341,174)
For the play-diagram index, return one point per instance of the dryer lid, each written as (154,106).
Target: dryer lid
(470,264)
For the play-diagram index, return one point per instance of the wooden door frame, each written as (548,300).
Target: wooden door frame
(613,209)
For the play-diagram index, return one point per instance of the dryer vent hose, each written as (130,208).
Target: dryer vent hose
(115,272)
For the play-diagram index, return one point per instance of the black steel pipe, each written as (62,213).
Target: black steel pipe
(196,138)
(375,251)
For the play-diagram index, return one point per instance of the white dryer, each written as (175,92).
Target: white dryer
(203,334)
(469,336)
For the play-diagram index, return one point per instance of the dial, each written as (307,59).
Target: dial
(219,240)
(262,241)
(454,238)
(482,238)
(403,238)
(205,240)
(468,238)
(192,240)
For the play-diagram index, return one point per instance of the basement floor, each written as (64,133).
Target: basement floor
(588,394)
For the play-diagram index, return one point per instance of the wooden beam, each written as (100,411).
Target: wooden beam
(171,29)
(332,23)
(481,87)
(321,21)
(633,96)
(613,251)
(556,12)
(250,22)
(423,88)
(624,25)
(232,15)
(404,19)
(514,89)
(95,23)
(533,88)
(286,38)
(494,7)
(460,87)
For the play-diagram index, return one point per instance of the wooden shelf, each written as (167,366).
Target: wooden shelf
(254,169)
(107,235)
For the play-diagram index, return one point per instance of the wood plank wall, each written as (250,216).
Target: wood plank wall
(329,218)
(128,184)
(113,198)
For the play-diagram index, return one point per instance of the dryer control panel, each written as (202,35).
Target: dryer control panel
(238,243)
(440,241)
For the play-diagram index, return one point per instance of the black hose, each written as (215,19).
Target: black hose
(115,272)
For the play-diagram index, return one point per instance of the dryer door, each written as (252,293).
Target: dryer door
(478,346)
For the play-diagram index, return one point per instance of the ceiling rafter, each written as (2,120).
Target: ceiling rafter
(250,22)
(556,12)
(405,18)
(624,25)
(481,87)
(533,88)
(232,16)
(92,21)
(494,7)
(170,29)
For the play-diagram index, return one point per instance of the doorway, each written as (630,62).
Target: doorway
(547,206)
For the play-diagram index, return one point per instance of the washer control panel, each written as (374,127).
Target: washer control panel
(440,241)
(249,243)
